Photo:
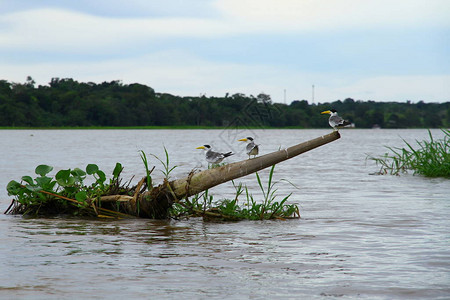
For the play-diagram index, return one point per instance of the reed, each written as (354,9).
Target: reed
(430,158)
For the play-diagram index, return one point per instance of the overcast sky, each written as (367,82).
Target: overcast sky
(380,50)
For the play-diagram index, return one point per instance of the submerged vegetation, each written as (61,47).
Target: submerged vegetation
(429,158)
(67,194)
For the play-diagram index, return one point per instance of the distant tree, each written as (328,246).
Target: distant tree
(5,88)
(297,104)
(30,82)
(264,98)
(67,102)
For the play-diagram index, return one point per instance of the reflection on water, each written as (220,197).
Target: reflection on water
(360,236)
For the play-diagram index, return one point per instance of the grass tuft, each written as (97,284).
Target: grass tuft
(229,209)
(429,158)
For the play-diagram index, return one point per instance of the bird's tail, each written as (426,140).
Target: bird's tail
(228,154)
(346,123)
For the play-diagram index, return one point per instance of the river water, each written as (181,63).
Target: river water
(360,236)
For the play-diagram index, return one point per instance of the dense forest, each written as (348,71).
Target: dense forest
(67,102)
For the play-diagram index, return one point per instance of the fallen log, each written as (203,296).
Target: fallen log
(156,202)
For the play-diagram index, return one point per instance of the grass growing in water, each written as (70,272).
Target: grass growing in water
(147,170)
(166,164)
(430,158)
(229,209)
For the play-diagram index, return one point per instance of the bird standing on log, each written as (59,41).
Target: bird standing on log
(214,157)
(335,121)
(252,148)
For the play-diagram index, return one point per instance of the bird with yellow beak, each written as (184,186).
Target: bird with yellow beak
(214,157)
(335,121)
(252,148)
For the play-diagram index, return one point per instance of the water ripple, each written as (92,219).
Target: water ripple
(360,236)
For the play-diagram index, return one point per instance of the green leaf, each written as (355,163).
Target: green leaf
(81,196)
(260,185)
(91,169)
(43,170)
(13,188)
(33,188)
(27,179)
(78,172)
(101,175)
(117,170)
(44,182)
(63,175)
(64,178)
(70,189)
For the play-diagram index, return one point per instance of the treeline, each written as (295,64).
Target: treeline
(66,102)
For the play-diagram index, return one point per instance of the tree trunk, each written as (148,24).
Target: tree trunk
(155,203)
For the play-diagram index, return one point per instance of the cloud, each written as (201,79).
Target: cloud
(245,46)
(61,30)
(182,74)
(55,29)
(314,15)
(398,88)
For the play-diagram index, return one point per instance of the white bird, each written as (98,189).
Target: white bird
(214,157)
(252,148)
(335,121)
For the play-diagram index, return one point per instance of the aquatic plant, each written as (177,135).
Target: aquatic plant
(229,209)
(166,164)
(66,193)
(429,158)
(148,172)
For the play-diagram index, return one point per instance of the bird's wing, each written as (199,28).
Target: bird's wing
(211,155)
(336,120)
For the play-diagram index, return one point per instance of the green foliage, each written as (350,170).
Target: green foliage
(66,102)
(33,194)
(43,170)
(67,192)
(166,164)
(116,172)
(229,209)
(431,158)
(147,170)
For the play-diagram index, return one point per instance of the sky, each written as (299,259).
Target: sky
(379,50)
